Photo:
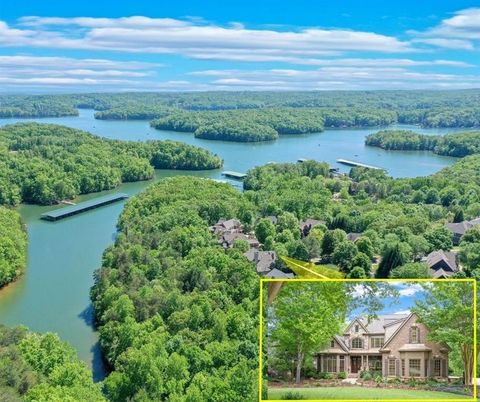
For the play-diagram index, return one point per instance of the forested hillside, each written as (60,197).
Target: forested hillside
(173,303)
(13,246)
(455,144)
(177,315)
(42,368)
(45,163)
(244,125)
(427,108)
(36,106)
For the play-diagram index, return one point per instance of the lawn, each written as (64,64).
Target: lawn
(305,269)
(363,393)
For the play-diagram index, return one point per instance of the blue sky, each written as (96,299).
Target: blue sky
(408,293)
(54,46)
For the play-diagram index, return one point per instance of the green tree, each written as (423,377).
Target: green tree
(308,315)
(363,261)
(365,246)
(264,228)
(447,312)
(357,273)
(331,239)
(440,238)
(393,255)
(411,270)
(344,254)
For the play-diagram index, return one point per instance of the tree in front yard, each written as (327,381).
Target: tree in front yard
(305,316)
(447,310)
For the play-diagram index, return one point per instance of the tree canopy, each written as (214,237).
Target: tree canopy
(46,163)
(42,368)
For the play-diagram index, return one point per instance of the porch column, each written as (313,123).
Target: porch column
(367,364)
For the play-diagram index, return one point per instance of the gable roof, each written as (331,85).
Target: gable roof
(461,227)
(353,237)
(448,257)
(356,320)
(341,342)
(398,330)
(276,273)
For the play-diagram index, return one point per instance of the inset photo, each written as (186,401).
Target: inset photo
(368,340)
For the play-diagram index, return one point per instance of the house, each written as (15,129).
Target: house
(353,237)
(277,274)
(308,224)
(442,263)
(222,226)
(227,239)
(394,345)
(459,229)
(272,219)
(263,260)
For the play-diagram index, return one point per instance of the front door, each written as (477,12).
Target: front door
(356,363)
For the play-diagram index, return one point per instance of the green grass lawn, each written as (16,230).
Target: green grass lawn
(363,393)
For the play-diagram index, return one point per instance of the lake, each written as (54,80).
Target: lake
(53,295)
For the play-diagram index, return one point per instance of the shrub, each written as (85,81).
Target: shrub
(412,382)
(342,375)
(292,395)
(367,376)
(325,376)
(379,380)
(311,372)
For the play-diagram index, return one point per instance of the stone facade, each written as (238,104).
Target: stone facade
(392,345)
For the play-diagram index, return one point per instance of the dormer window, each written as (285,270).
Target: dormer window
(414,335)
(357,343)
(356,328)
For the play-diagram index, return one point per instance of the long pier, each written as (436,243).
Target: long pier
(62,213)
(234,175)
(359,164)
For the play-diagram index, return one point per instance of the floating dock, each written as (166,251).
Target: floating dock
(62,213)
(359,164)
(234,175)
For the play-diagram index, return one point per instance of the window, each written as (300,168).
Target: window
(330,364)
(403,367)
(414,335)
(376,342)
(356,328)
(342,363)
(391,367)
(357,343)
(414,367)
(437,365)
(332,343)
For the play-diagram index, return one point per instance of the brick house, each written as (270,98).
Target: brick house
(394,345)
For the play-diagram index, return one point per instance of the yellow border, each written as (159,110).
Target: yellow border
(260,377)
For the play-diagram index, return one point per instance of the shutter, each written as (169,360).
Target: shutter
(397,367)
(385,368)
(443,367)
(431,367)
(410,335)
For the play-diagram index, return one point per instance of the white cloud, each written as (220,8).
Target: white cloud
(192,38)
(462,31)
(67,62)
(337,77)
(403,312)
(409,289)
